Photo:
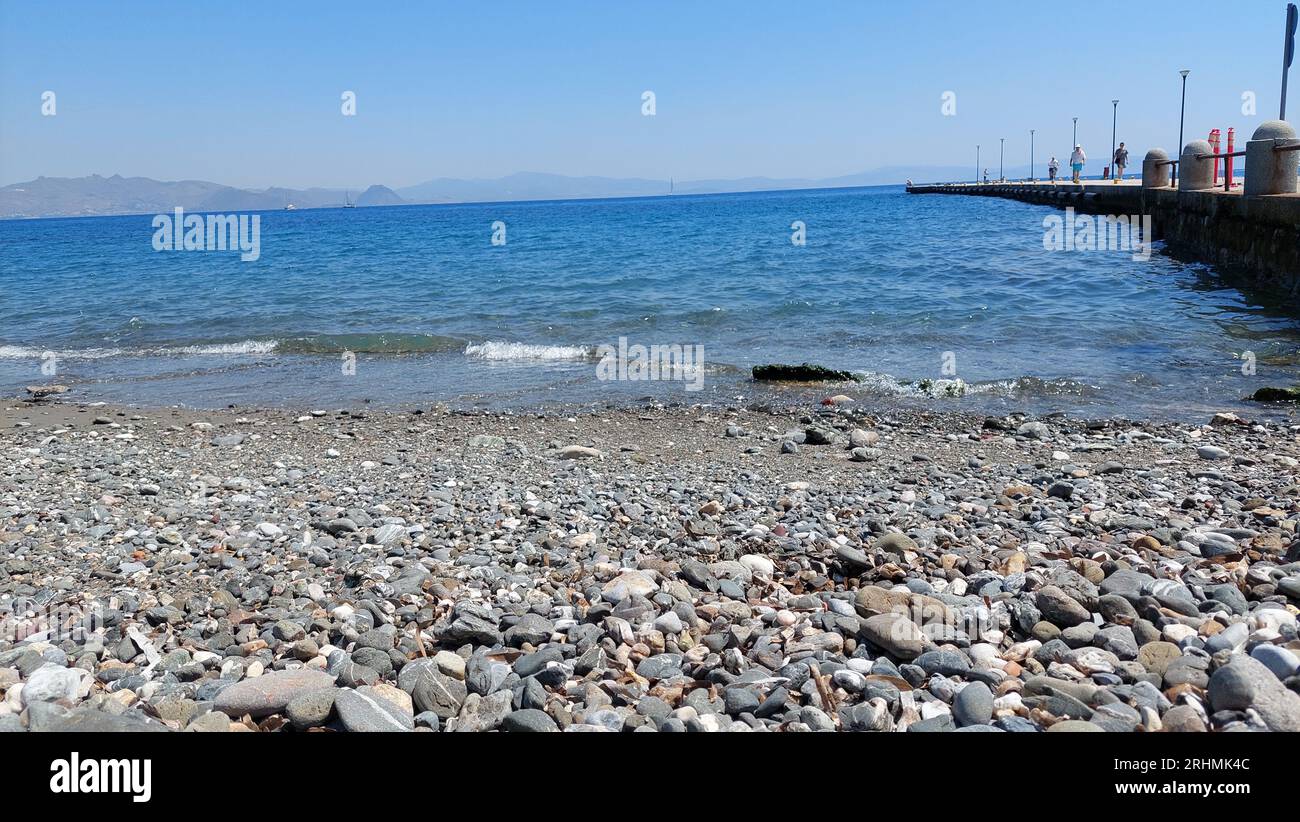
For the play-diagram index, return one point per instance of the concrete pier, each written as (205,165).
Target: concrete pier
(1257,237)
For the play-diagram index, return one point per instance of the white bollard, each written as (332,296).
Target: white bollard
(1156,169)
(1194,174)
(1269,171)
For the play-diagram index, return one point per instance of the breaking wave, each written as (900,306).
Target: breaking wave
(304,344)
(891,386)
(497,351)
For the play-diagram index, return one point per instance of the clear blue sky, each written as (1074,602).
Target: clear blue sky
(248,93)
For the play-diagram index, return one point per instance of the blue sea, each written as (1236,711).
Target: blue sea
(940,302)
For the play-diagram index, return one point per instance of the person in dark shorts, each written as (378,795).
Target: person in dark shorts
(1121,162)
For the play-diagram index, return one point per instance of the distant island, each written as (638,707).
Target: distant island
(97,195)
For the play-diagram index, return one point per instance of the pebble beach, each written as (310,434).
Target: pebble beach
(702,569)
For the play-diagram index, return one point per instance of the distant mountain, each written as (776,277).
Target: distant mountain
(238,199)
(96,195)
(379,196)
(63,196)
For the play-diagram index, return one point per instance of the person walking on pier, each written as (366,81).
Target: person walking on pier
(1121,162)
(1077,161)
(1053,168)
(986,176)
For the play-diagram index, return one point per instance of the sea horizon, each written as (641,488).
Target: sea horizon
(462,203)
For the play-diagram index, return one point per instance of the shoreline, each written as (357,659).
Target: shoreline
(566,394)
(651,569)
(24,412)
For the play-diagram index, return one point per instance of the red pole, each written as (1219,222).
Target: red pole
(1215,136)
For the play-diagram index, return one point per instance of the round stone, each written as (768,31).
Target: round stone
(270,693)
(365,711)
(973,705)
(311,709)
(669,623)
(1282,662)
(1060,608)
(1075,726)
(1156,656)
(529,721)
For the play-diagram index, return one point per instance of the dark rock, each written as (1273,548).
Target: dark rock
(1060,608)
(973,705)
(800,373)
(529,721)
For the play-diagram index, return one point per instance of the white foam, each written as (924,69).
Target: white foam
(247,347)
(505,351)
(236,348)
(933,388)
(21,352)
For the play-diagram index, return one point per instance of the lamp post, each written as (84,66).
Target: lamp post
(1288,55)
(977,165)
(1031,156)
(1181,119)
(1002,153)
(1076,133)
(1114,123)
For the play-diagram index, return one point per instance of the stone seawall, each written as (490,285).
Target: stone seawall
(1254,237)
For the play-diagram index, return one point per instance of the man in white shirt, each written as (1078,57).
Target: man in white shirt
(1077,161)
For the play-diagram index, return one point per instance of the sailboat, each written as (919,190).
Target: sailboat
(347,200)
(670,186)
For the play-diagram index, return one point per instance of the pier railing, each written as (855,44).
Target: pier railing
(1271,164)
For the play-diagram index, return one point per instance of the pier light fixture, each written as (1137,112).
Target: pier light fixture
(1181,119)
(1114,130)
(1288,51)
